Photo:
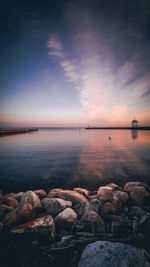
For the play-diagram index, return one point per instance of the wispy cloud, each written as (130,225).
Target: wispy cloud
(112,85)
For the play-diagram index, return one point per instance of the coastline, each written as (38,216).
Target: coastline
(60,223)
(16,131)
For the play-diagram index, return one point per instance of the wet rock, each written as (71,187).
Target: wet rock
(104,253)
(54,206)
(131,185)
(4,210)
(104,193)
(68,215)
(18,196)
(91,216)
(94,205)
(139,196)
(137,211)
(32,198)
(82,191)
(108,208)
(114,186)
(40,193)
(122,196)
(73,196)
(38,225)
(23,213)
(13,203)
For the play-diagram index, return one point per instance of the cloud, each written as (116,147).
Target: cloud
(109,72)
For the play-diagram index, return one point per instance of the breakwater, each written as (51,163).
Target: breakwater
(16,131)
(119,128)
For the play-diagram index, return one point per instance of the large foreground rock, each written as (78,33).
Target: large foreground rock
(22,214)
(107,254)
(54,206)
(73,196)
(32,198)
(38,225)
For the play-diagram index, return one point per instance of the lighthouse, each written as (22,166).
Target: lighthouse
(134,123)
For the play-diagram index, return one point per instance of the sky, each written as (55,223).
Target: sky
(74,63)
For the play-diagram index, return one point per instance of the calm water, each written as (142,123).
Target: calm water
(72,157)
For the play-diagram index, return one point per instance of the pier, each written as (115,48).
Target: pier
(15,131)
(119,128)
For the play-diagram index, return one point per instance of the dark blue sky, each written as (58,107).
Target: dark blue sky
(68,63)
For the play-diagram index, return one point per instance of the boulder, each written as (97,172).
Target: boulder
(54,206)
(114,186)
(94,205)
(32,198)
(9,201)
(40,193)
(104,253)
(4,210)
(73,196)
(82,191)
(104,193)
(131,185)
(18,196)
(122,196)
(108,208)
(23,213)
(38,225)
(116,203)
(91,216)
(68,215)
(139,196)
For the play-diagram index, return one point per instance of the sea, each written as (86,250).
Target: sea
(73,157)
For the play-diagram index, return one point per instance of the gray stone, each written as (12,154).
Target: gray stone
(131,185)
(91,216)
(54,206)
(94,205)
(67,215)
(18,196)
(122,196)
(107,254)
(139,196)
(4,210)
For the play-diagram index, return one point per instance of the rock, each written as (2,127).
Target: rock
(94,205)
(1,226)
(137,211)
(32,198)
(105,192)
(73,196)
(131,185)
(4,210)
(82,191)
(66,215)
(108,208)
(18,196)
(9,201)
(38,225)
(23,213)
(91,216)
(108,254)
(116,203)
(40,193)
(54,206)
(139,196)
(122,196)
(114,186)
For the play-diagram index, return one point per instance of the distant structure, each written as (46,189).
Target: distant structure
(134,123)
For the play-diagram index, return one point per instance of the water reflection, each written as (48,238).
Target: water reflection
(134,134)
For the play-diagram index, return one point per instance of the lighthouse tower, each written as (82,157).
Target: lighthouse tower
(134,123)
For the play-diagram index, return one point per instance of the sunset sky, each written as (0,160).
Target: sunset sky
(74,63)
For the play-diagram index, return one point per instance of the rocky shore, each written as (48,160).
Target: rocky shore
(39,228)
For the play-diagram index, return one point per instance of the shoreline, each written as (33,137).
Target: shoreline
(60,221)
